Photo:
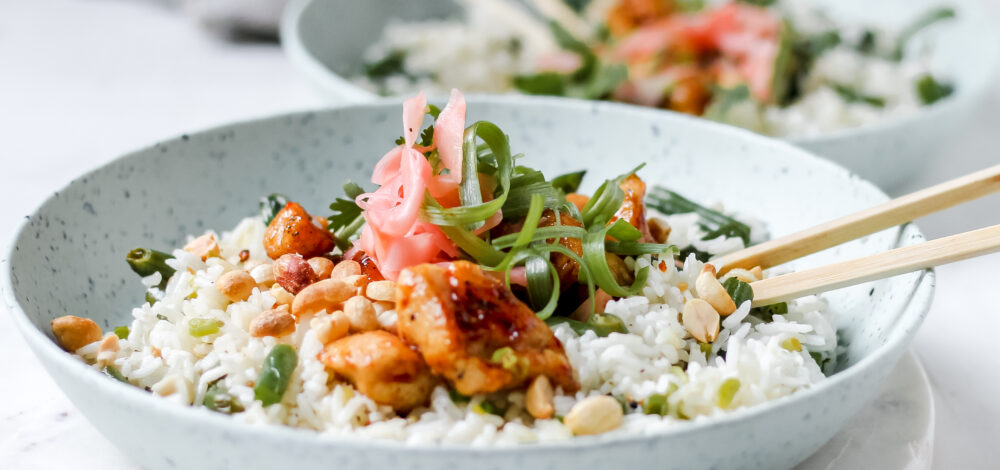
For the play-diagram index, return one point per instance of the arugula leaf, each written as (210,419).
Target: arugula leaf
(569,182)
(393,63)
(714,222)
(759,3)
(931,91)
(577,5)
(738,290)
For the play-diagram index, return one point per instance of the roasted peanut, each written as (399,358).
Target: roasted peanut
(330,328)
(360,281)
(236,285)
(540,398)
(361,314)
(594,415)
(277,322)
(327,295)
(345,268)
(381,290)
(382,306)
(108,350)
(710,289)
(700,320)
(658,229)
(204,246)
(293,272)
(73,333)
(173,384)
(321,266)
(281,296)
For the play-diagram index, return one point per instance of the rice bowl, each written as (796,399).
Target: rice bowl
(320,125)
(330,57)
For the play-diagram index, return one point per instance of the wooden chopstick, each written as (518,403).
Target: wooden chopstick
(898,261)
(847,228)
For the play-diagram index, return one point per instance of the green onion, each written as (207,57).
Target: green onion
(218,398)
(852,95)
(275,374)
(199,327)
(931,91)
(602,324)
(657,404)
(541,233)
(637,249)
(121,332)
(527,231)
(543,285)
(487,407)
(506,357)
(727,391)
(598,270)
(465,216)
(146,261)
(918,25)
(116,374)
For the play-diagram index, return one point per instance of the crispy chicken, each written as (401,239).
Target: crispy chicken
(293,231)
(383,367)
(461,319)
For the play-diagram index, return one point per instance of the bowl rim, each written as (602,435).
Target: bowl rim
(302,58)
(61,363)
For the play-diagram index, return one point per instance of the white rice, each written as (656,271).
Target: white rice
(160,354)
(496,41)
(474,54)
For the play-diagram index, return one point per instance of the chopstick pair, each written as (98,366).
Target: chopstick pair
(898,261)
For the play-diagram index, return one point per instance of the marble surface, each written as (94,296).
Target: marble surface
(83,81)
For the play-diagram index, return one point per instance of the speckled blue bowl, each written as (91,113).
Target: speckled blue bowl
(67,258)
(325,40)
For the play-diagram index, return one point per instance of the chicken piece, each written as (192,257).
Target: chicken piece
(459,318)
(567,268)
(633,209)
(292,231)
(383,367)
(627,15)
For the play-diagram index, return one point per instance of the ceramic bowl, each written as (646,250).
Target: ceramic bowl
(325,40)
(68,258)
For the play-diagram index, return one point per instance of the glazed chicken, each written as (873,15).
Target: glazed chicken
(567,268)
(383,367)
(459,318)
(633,210)
(293,231)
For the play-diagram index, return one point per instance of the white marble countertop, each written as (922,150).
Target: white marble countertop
(84,81)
